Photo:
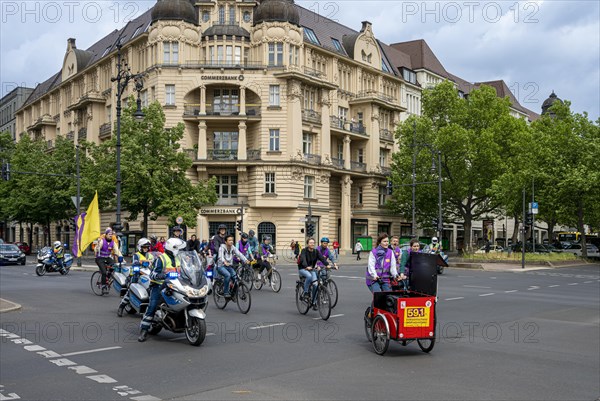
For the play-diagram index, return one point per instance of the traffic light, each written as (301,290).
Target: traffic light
(6,171)
(529,219)
(238,225)
(310,230)
(435,223)
(389,187)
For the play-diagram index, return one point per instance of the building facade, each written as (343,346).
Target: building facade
(9,104)
(287,109)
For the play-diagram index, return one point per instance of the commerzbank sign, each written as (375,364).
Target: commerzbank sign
(222,77)
(219,210)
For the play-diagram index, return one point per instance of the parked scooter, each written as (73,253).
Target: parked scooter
(47,263)
(184,300)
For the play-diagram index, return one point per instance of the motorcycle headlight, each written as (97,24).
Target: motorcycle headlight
(195,292)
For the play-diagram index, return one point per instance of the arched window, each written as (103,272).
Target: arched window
(267,228)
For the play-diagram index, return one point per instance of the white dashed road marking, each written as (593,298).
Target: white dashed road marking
(265,326)
(552,286)
(487,295)
(509,291)
(317,318)
(476,286)
(572,283)
(90,351)
(453,299)
(533,287)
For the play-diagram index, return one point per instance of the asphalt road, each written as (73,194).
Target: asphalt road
(501,336)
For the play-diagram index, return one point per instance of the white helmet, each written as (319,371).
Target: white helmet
(57,244)
(174,245)
(142,242)
(434,240)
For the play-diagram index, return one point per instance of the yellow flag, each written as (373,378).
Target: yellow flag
(90,229)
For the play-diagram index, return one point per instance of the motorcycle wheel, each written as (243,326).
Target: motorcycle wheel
(130,309)
(196,332)
(96,283)
(324,302)
(275,281)
(155,329)
(40,270)
(243,299)
(218,296)
(301,304)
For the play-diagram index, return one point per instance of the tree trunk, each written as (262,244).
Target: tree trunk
(551,225)
(49,232)
(30,225)
(467,230)
(515,234)
(581,228)
(145,230)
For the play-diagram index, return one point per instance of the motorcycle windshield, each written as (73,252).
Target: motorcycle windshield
(192,270)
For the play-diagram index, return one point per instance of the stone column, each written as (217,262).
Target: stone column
(325,127)
(202,143)
(203,100)
(347,155)
(242,141)
(242,100)
(373,148)
(294,120)
(346,216)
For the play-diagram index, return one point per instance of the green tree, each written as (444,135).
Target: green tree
(153,170)
(476,138)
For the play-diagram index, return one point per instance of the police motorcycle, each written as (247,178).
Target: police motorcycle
(47,262)
(184,300)
(138,289)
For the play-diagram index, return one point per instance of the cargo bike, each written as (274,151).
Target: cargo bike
(408,312)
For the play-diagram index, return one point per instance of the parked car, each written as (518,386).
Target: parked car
(10,253)
(575,249)
(24,247)
(493,249)
(539,248)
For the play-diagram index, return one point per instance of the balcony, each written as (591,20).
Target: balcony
(311,116)
(337,163)
(386,170)
(191,153)
(82,134)
(222,154)
(348,126)
(88,98)
(314,73)
(225,64)
(372,96)
(193,110)
(70,135)
(312,159)
(358,166)
(45,120)
(306,75)
(232,200)
(386,135)
(253,154)
(105,131)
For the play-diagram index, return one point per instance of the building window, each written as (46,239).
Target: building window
(310,35)
(205,16)
(274,140)
(219,54)
(309,186)
(310,98)
(221,15)
(342,115)
(137,30)
(226,101)
(384,66)
(360,155)
(269,183)
(275,54)
(267,228)
(383,191)
(144,98)
(340,151)
(337,45)
(246,16)
(238,55)
(227,186)
(409,76)
(274,99)
(170,95)
(382,157)
(229,54)
(231,15)
(307,143)
(171,52)
(359,197)
(226,141)
(293,54)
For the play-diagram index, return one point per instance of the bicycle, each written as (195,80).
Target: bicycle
(332,287)
(96,281)
(320,297)
(246,274)
(272,274)
(240,294)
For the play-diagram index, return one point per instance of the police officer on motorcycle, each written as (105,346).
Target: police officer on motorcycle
(142,258)
(164,264)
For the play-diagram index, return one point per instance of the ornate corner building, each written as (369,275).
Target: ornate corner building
(284,107)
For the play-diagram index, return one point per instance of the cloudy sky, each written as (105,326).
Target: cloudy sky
(535,46)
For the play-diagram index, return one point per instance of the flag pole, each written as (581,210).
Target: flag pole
(78,204)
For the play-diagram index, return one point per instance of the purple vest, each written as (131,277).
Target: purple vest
(265,251)
(398,254)
(324,253)
(382,271)
(243,250)
(107,247)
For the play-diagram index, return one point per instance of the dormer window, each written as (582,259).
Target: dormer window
(461,94)
(409,76)
(105,51)
(337,45)
(205,16)
(246,16)
(384,66)
(310,35)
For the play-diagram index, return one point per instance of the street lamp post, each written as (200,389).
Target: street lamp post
(124,76)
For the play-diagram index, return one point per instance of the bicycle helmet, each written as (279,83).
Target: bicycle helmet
(57,244)
(222,226)
(244,236)
(434,240)
(142,243)
(174,245)
(153,237)
(251,233)
(267,238)
(325,239)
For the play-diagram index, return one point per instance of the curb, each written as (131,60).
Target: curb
(477,266)
(11,306)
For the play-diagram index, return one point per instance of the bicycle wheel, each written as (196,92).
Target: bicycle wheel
(257,282)
(247,277)
(96,283)
(333,292)
(380,335)
(301,304)
(323,302)
(368,324)
(218,296)
(243,298)
(275,281)
(426,344)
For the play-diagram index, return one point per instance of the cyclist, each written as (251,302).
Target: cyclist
(326,253)
(306,267)
(265,250)
(106,250)
(244,247)
(253,241)
(381,268)
(224,263)
(142,258)
(162,265)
